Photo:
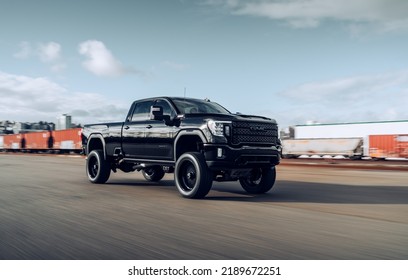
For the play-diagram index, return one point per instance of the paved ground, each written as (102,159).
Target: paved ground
(48,210)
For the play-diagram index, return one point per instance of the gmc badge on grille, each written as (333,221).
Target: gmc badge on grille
(257,128)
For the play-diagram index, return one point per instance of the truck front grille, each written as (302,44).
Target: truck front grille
(254,133)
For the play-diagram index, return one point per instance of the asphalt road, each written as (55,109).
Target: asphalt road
(48,210)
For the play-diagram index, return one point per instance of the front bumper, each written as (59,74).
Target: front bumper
(221,157)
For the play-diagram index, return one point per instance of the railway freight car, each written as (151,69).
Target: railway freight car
(350,130)
(13,142)
(388,146)
(346,147)
(37,141)
(67,140)
(312,136)
(59,141)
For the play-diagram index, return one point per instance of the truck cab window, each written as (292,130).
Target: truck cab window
(167,110)
(142,111)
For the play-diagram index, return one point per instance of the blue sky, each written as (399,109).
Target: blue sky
(295,61)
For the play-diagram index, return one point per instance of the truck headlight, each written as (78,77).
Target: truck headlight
(218,128)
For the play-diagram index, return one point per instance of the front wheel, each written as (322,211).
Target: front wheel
(261,180)
(97,168)
(192,176)
(153,173)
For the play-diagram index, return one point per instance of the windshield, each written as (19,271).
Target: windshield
(196,106)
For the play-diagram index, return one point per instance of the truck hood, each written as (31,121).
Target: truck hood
(230,117)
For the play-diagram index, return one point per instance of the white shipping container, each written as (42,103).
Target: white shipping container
(1,142)
(350,130)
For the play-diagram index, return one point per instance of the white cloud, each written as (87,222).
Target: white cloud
(49,53)
(349,88)
(26,98)
(24,52)
(58,67)
(384,15)
(99,59)
(360,98)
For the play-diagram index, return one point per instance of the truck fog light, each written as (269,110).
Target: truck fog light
(219,152)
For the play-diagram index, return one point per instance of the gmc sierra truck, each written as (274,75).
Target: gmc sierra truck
(198,140)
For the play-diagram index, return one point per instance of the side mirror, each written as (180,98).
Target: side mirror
(156,113)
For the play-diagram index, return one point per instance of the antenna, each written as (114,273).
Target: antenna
(185,90)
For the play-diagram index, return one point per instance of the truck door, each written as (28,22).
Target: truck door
(133,134)
(159,136)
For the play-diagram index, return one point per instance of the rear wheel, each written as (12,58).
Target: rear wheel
(97,168)
(259,181)
(153,173)
(192,176)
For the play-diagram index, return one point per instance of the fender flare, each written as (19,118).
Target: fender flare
(96,136)
(189,132)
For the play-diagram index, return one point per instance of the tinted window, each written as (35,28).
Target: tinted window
(142,111)
(196,106)
(167,110)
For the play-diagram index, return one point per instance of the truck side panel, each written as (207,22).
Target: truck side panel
(106,135)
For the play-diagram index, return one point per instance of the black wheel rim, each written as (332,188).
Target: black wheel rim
(93,167)
(188,176)
(255,178)
(149,172)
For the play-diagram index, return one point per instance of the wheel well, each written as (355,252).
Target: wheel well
(188,143)
(95,144)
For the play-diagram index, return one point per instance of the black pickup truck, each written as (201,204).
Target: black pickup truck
(198,140)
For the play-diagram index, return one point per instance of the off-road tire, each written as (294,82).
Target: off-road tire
(97,168)
(153,173)
(192,176)
(260,181)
